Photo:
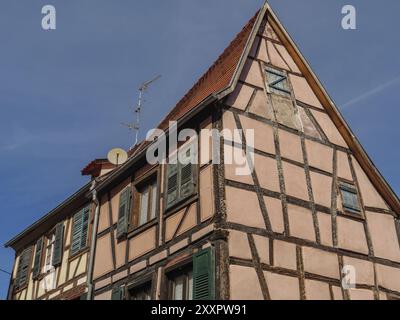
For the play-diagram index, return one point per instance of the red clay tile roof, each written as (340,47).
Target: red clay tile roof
(216,78)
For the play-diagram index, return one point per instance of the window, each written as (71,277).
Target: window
(145,200)
(349,198)
(195,281)
(147,196)
(118,293)
(51,240)
(142,292)
(181,174)
(53,250)
(80,225)
(277,82)
(181,284)
(21,278)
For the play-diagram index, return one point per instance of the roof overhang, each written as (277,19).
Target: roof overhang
(50,219)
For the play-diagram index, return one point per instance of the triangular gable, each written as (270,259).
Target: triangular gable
(280,50)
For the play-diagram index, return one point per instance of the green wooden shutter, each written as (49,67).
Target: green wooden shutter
(23,268)
(85,227)
(117,293)
(83,296)
(38,258)
(58,244)
(203,275)
(172,184)
(123,212)
(187,168)
(76,232)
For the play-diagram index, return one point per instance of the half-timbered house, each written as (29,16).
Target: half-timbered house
(312,219)
(51,256)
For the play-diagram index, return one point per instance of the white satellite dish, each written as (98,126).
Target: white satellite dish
(117,156)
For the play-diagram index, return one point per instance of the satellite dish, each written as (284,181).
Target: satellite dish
(117,156)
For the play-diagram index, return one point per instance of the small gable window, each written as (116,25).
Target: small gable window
(277,82)
(350,198)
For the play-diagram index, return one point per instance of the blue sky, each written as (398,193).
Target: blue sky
(64,93)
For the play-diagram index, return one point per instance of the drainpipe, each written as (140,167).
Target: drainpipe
(93,240)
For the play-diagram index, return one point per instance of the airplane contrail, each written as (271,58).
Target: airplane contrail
(370,93)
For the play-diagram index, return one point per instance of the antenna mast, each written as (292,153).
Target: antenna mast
(142,89)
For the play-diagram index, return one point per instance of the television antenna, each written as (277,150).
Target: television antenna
(136,125)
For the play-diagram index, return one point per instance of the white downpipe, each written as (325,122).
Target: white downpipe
(93,241)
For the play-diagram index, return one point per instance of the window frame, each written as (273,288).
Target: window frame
(51,233)
(152,194)
(146,283)
(350,187)
(145,181)
(182,270)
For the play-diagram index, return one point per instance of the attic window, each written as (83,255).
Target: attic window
(277,82)
(350,198)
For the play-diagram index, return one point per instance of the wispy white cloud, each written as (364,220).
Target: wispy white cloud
(371,92)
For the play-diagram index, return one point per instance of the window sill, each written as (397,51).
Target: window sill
(351,214)
(180,205)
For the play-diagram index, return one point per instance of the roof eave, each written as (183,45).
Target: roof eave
(236,75)
(81,192)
